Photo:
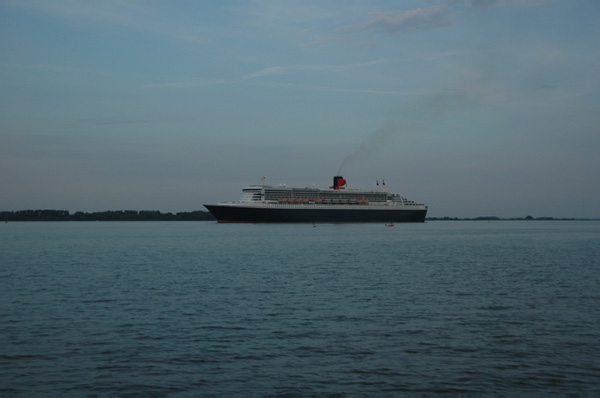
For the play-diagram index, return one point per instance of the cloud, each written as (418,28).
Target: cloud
(266,72)
(190,84)
(400,21)
(278,70)
(483,4)
(420,19)
(364,91)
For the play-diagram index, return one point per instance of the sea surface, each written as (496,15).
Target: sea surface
(184,308)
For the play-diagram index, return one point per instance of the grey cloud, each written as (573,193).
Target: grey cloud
(399,21)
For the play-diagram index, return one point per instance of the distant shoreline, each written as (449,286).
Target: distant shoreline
(493,218)
(118,215)
(200,215)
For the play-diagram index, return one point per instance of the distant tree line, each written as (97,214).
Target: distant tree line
(155,215)
(494,218)
(119,215)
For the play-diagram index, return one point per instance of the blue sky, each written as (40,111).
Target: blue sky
(472,107)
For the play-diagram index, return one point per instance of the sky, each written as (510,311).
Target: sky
(475,108)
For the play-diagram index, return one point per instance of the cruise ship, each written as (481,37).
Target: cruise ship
(262,203)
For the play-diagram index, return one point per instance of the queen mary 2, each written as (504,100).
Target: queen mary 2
(262,203)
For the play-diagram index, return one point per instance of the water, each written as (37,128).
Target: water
(204,308)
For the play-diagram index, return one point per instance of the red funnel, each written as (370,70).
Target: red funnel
(338,182)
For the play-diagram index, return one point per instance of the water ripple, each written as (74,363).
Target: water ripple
(165,309)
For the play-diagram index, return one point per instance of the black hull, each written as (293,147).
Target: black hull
(240,214)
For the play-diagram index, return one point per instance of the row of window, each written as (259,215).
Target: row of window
(314,195)
(276,194)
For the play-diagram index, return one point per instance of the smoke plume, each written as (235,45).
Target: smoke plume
(420,116)
(372,144)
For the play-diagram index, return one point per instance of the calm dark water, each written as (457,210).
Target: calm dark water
(168,308)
